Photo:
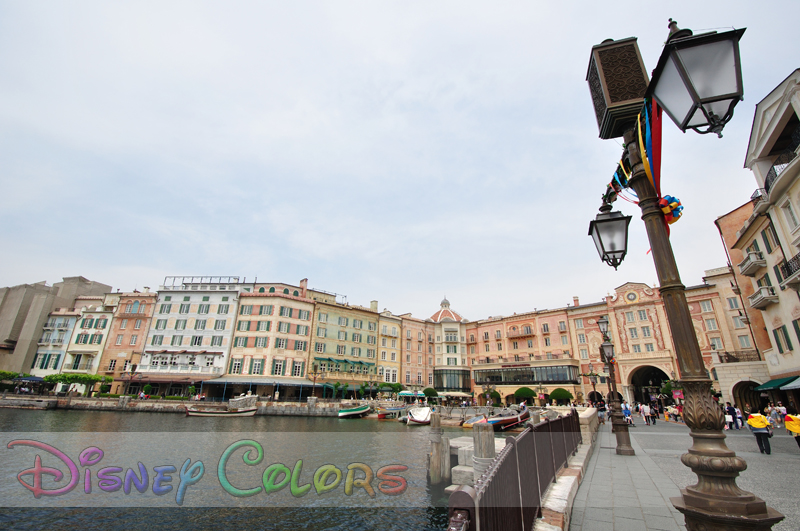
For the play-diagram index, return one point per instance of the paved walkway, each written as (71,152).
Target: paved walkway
(623,493)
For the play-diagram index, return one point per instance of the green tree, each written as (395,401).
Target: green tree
(362,390)
(191,390)
(524,393)
(7,375)
(336,387)
(147,389)
(495,396)
(560,395)
(430,392)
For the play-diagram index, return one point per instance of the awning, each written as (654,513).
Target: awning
(411,393)
(776,384)
(351,362)
(350,387)
(260,380)
(458,394)
(792,385)
(28,379)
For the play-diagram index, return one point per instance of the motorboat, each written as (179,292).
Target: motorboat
(509,417)
(350,411)
(390,412)
(419,415)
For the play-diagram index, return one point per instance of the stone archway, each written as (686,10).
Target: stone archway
(745,397)
(645,381)
(595,396)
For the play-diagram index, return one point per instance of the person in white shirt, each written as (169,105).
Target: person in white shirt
(644,409)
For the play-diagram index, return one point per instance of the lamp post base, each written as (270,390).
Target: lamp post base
(699,519)
(620,429)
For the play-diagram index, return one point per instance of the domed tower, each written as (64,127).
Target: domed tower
(451,374)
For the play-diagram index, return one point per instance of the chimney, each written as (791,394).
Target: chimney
(147,289)
(373,305)
(304,288)
(575,301)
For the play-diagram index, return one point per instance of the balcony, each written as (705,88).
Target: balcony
(738,356)
(63,326)
(760,200)
(783,160)
(180,368)
(81,367)
(763,297)
(752,263)
(57,341)
(791,273)
(48,326)
(471,340)
(44,341)
(521,334)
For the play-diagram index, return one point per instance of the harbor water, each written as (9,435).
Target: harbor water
(156,438)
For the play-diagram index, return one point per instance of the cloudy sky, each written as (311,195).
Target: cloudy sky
(397,151)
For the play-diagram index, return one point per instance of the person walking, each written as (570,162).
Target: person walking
(774,415)
(653,413)
(644,410)
(730,413)
(759,425)
(792,422)
(739,416)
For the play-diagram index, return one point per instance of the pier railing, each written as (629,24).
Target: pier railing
(509,494)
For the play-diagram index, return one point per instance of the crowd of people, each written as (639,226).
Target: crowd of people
(763,423)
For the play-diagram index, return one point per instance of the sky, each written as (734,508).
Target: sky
(390,151)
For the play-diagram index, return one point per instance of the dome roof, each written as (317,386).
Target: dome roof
(446,314)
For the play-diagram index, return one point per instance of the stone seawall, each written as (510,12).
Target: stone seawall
(295,409)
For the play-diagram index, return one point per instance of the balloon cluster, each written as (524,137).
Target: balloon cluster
(671,207)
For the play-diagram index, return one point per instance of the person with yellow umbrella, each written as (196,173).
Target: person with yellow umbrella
(792,423)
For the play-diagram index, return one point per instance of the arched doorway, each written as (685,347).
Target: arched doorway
(646,382)
(745,397)
(595,396)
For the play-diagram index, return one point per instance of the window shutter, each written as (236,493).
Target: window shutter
(796,328)
(755,246)
(272,372)
(777,341)
(248,326)
(230,365)
(302,368)
(283,368)
(250,371)
(55,363)
(269,324)
(33,363)
(766,241)
(777,269)
(786,335)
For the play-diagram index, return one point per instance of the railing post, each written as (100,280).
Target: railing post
(483,448)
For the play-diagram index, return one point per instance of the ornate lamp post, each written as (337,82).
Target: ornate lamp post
(487,392)
(617,418)
(316,373)
(698,83)
(592,378)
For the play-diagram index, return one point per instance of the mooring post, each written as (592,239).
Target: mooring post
(483,448)
(436,460)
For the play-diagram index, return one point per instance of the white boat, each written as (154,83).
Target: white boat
(419,415)
(218,412)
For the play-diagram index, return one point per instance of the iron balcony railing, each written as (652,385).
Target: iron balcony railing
(784,158)
(522,333)
(791,267)
(509,494)
(739,356)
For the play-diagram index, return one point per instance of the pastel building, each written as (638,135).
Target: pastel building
(271,343)
(345,344)
(451,375)
(127,337)
(89,338)
(389,349)
(417,352)
(191,334)
(56,335)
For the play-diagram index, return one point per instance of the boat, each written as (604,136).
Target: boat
(419,415)
(474,420)
(509,418)
(389,412)
(219,412)
(348,411)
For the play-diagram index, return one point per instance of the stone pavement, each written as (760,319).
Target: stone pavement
(632,493)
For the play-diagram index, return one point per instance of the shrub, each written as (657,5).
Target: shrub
(106,395)
(560,394)
(524,393)
(429,392)
(148,389)
(175,398)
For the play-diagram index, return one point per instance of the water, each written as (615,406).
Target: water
(315,439)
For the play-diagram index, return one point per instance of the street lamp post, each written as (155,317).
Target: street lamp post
(618,422)
(697,82)
(592,378)
(315,373)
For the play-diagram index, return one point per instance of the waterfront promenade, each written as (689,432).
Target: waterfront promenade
(622,493)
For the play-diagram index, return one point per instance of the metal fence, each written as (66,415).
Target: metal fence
(509,494)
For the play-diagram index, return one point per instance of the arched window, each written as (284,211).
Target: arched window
(285,291)
(135,307)
(261,290)
(296,293)
(272,289)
